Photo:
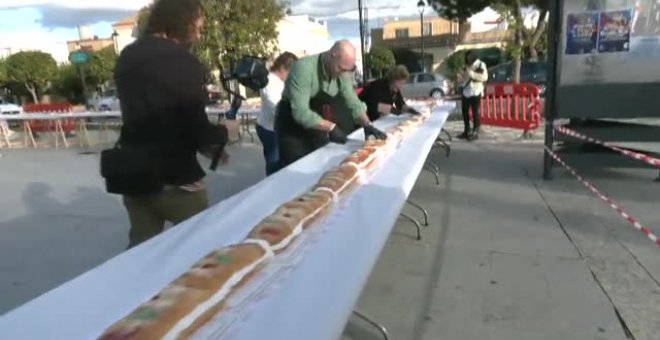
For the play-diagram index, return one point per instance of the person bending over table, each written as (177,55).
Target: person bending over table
(383,96)
(319,104)
(270,97)
(160,85)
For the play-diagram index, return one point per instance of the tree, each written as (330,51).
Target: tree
(3,73)
(512,11)
(408,58)
(101,67)
(454,64)
(67,84)
(233,29)
(380,59)
(142,18)
(237,28)
(31,70)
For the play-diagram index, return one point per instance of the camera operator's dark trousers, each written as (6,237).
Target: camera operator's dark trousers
(149,213)
(474,104)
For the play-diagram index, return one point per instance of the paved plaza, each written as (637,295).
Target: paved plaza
(506,255)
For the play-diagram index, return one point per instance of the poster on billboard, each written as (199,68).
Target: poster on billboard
(614,31)
(581,33)
(625,47)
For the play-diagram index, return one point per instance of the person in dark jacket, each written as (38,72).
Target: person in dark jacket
(383,96)
(161,88)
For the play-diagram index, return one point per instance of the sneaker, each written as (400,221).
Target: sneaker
(474,136)
(463,135)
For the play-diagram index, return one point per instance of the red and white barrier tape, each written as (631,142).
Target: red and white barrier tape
(606,199)
(636,155)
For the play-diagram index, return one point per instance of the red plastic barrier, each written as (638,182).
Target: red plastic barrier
(68,125)
(515,106)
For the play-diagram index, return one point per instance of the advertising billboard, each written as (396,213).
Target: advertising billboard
(609,57)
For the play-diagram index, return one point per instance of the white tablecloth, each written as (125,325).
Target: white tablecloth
(312,301)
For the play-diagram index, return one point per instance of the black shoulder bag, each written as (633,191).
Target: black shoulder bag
(132,170)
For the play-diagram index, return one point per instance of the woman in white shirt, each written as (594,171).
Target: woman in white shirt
(270,97)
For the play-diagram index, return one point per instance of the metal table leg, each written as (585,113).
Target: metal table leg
(434,166)
(443,145)
(379,327)
(432,171)
(447,133)
(426,213)
(416,223)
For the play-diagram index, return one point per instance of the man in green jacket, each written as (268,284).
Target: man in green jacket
(319,104)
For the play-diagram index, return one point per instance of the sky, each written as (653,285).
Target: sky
(47,24)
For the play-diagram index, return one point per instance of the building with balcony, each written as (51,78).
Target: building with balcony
(441,37)
(87,41)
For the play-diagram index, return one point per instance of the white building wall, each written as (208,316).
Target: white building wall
(302,35)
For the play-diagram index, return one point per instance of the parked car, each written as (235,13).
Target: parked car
(106,101)
(530,72)
(426,85)
(7,108)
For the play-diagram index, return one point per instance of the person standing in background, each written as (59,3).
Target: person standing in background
(383,96)
(475,75)
(161,88)
(270,97)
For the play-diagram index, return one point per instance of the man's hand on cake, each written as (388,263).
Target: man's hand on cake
(338,136)
(371,131)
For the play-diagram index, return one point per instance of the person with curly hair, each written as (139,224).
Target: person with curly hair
(161,88)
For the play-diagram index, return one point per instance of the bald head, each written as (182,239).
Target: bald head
(344,49)
(341,58)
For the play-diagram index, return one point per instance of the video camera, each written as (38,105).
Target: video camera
(250,72)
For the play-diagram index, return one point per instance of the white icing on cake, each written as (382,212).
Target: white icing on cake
(286,241)
(335,196)
(221,294)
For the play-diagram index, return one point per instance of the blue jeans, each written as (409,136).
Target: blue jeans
(268,139)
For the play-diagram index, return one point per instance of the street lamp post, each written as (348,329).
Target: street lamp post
(81,70)
(115,36)
(421,5)
(362,44)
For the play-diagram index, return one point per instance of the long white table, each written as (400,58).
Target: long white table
(318,282)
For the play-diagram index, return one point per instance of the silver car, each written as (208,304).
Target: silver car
(106,101)
(422,85)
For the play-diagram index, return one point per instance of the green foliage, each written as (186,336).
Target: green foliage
(511,11)
(101,67)
(408,58)
(143,18)
(237,28)
(233,29)
(380,59)
(31,71)
(454,64)
(458,10)
(541,48)
(4,78)
(67,84)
